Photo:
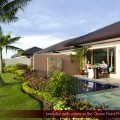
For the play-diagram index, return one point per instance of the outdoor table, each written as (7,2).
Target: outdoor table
(96,75)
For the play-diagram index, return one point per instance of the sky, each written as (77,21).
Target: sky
(47,22)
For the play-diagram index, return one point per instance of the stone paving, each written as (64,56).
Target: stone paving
(109,97)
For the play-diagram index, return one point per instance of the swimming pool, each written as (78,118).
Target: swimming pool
(91,86)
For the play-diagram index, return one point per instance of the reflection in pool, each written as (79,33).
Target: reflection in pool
(91,86)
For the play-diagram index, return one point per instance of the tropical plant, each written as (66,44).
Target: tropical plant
(21,66)
(61,84)
(80,56)
(5,42)
(9,8)
(13,68)
(35,81)
(8,11)
(43,95)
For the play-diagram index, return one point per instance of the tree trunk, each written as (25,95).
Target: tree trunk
(1,61)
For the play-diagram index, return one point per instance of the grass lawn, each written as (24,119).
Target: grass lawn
(12,98)
(8,78)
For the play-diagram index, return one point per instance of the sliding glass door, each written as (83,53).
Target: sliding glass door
(99,55)
(104,54)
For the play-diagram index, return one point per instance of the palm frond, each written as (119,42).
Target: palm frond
(13,40)
(3,2)
(80,55)
(16,4)
(8,9)
(9,16)
(1,31)
(6,40)
(10,47)
(8,34)
(2,40)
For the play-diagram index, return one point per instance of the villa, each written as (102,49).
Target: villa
(25,57)
(105,45)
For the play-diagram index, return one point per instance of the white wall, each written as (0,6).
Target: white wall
(117,62)
(13,61)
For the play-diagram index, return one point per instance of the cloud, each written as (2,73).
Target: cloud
(22,23)
(46,22)
(39,41)
(31,41)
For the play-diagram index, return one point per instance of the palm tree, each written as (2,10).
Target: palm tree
(8,11)
(5,42)
(9,8)
(80,55)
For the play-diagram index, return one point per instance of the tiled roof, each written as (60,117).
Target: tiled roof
(31,51)
(27,52)
(54,48)
(16,55)
(108,32)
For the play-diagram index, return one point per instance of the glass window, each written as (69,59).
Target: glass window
(111,60)
(99,55)
(103,54)
(89,55)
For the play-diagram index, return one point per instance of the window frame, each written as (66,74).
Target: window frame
(113,47)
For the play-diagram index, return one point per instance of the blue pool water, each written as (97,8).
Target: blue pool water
(91,86)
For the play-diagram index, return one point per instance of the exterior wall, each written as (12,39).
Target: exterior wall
(12,61)
(112,44)
(40,60)
(31,59)
(40,63)
(105,44)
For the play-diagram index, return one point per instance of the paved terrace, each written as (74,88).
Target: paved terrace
(110,97)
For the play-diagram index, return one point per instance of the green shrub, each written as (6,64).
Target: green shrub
(77,104)
(60,105)
(9,70)
(61,84)
(28,89)
(21,66)
(21,78)
(30,68)
(34,81)
(18,69)
(43,95)
(12,68)
(19,72)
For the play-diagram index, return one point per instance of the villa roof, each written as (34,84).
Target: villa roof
(56,47)
(16,55)
(31,51)
(108,32)
(27,52)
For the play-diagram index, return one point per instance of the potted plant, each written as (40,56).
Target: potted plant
(80,56)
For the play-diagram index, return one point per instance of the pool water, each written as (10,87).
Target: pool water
(91,86)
